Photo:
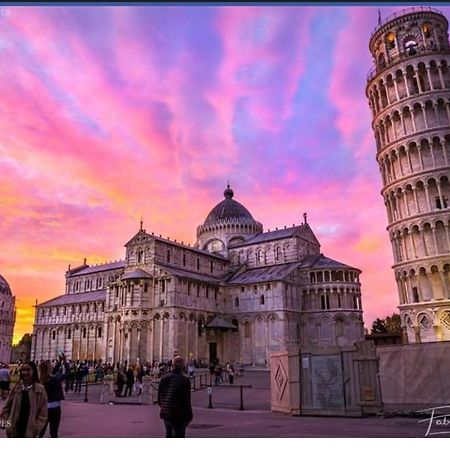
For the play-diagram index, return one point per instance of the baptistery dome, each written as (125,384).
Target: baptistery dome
(4,286)
(228,223)
(7,319)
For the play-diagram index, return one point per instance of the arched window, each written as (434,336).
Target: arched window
(99,332)
(168,255)
(184,259)
(69,333)
(201,327)
(84,333)
(261,300)
(236,301)
(53,334)
(426,27)
(390,40)
(277,254)
(324,301)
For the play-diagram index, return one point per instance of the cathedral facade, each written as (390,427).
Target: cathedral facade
(238,294)
(7,320)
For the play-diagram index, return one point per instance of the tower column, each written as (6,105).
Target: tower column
(416,73)
(441,78)
(429,78)
(425,119)
(396,88)
(441,197)
(425,185)
(447,235)
(433,231)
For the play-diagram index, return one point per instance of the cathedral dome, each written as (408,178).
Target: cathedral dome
(228,209)
(227,224)
(4,286)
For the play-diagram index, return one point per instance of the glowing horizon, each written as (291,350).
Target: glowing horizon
(113,113)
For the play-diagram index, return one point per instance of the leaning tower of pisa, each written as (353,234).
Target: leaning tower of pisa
(409,95)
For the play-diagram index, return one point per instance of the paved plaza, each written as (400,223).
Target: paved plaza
(92,419)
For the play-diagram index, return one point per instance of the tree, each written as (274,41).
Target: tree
(390,324)
(393,323)
(378,326)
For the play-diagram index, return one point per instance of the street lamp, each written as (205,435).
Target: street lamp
(86,391)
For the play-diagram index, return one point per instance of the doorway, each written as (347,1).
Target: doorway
(212,351)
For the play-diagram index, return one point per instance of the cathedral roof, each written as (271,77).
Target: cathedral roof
(264,274)
(228,209)
(190,275)
(303,230)
(4,286)
(323,262)
(219,322)
(71,299)
(98,268)
(135,274)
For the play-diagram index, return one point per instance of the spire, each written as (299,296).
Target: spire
(379,17)
(141,224)
(305,216)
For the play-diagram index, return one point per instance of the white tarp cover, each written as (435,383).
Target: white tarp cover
(415,374)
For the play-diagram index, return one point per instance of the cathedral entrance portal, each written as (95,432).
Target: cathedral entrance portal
(212,351)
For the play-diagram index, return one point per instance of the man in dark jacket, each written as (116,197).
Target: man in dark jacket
(130,381)
(174,398)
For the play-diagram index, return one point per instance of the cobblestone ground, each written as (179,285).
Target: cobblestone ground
(92,419)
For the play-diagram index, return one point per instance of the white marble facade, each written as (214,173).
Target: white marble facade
(238,294)
(7,320)
(409,95)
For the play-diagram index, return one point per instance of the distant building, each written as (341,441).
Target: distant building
(238,294)
(385,338)
(21,351)
(408,94)
(7,320)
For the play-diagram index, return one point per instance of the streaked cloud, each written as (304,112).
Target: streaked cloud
(113,113)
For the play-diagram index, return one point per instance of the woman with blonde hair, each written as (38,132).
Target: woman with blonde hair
(25,411)
(51,379)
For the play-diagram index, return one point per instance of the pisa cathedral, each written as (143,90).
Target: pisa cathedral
(7,320)
(238,294)
(409,96)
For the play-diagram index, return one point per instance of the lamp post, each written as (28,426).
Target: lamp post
(86,391)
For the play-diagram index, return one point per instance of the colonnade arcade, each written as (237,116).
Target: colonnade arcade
(411,118)
(330,328)
(424,283)
(430,153)
(429,237)
(425,325)
(417,196)
(78,340)
(157,337)
(424,75)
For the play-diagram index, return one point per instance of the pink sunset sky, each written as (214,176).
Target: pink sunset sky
(110,114)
